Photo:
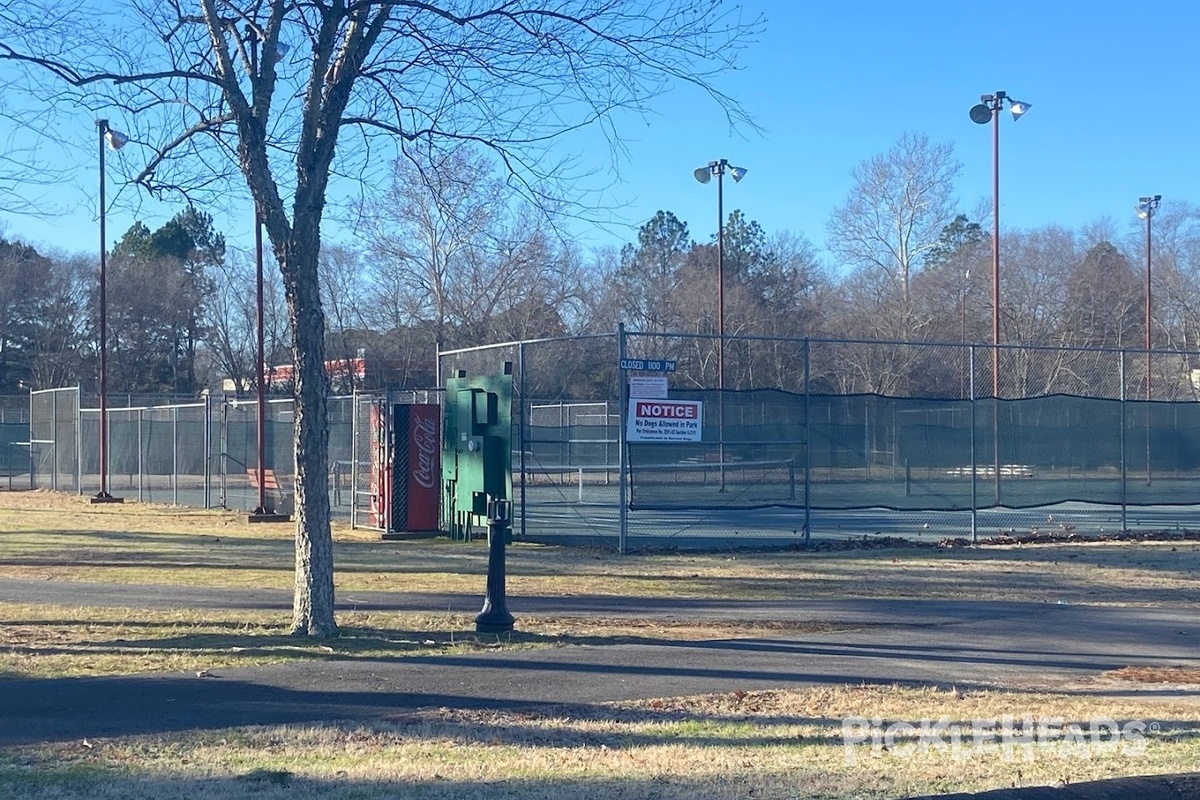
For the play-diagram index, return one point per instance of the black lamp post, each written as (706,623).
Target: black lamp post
(1145,209)
(116,140)
(988,110)
(704,175)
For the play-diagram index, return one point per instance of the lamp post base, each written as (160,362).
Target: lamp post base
(105,497)
(494,618)
(261,515)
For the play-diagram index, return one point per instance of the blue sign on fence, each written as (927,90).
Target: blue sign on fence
(648,364)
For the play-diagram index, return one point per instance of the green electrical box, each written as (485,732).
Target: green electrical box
(476,449)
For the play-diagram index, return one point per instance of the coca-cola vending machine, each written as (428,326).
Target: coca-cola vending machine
(406,467)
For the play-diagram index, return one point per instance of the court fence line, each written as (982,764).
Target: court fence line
(810,438)
(845,427)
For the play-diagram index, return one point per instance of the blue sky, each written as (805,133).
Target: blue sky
(1114,116)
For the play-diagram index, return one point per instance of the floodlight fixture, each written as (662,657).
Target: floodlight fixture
(981,114)
(737,173)
(1018,108)
(115,139)
(703,174)
(1147,206)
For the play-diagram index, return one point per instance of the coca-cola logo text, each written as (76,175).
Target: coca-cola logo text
(424,436)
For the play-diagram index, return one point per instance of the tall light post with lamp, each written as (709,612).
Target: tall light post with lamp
(115,140)
(704,175)
(988,110)
(1145,210)
(263,512)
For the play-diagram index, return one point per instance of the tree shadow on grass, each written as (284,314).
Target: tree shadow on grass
(354,642)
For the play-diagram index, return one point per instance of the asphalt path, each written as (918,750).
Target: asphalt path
(1006,644)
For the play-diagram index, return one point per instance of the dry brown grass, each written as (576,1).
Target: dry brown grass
(62,641)
(779,744)
(782,744)
(1174,675)
(48,535)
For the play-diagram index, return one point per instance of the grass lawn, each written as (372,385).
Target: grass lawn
(774,745)
(63,537)
(779,744)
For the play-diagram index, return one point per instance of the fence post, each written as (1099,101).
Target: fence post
(54,442)
(521,432)
(223,433)
(622,445)
(32,484)
(140,461)
(78,443)
(175,455)
(1124,465)
(974,457)
(206,427)
(354,459)
(807,445)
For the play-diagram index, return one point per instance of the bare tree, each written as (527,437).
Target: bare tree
(214,94)
(892,218)
(62,346)
(232,319)
(342,292)
(423,229)
(1176,277)
(25,294)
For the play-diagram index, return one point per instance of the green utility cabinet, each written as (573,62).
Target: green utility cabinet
(476,449)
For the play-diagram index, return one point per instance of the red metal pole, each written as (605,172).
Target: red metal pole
(261,366)
(721,319)
(102,126)
(997,106)
(260,347)
(1149,341)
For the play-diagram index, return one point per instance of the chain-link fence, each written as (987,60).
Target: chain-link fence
(54,439)
(15,471)
(199,453)
(848,438)
(807,438)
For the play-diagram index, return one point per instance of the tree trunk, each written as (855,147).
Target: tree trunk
(312,603)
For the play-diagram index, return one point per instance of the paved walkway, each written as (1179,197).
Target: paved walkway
(1016,645)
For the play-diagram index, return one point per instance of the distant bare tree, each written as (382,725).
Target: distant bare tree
(893,217)
(345,294)
(62,351)
(232,320)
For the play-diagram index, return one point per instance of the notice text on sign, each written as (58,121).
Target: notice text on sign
(664,421)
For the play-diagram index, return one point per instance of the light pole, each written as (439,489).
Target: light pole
(962,337)
(988,110)
(1145,209)
(704,175)
(116,140)
(262,512)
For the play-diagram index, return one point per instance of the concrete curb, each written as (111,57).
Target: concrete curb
(1155,787)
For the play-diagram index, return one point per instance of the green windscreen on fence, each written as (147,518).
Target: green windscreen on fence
(14,448)
(865,451)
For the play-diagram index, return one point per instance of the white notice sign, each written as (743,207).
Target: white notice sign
(648,387)
(664,421)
